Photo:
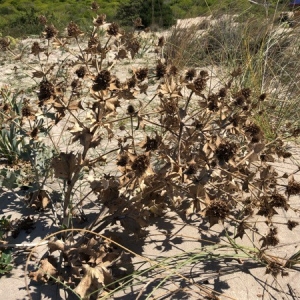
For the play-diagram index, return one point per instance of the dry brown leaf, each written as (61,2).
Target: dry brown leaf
(64,165)
(92,281)
(45,272)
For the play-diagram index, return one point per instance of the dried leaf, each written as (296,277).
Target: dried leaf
(38,74)
(64,165)
(45,272)
(92,281)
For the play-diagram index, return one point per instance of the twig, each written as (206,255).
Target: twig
(25,245)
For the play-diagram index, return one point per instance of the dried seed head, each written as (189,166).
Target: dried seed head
(204,74)
(222,92)
(75,84)
(140,164)
(237,72)
(80,72)
(34,132)
(190,74)
(191,169)
(217,209)
(73,30)
(271,238)
(138,24)
(46,90)
(123,160)
(100,20)
(130,109)
(200,83)
(240,100)
(50,32)
(173,71)
(292,224)
(42,20)
(27,111)
(113,29)
(262,97)
(293,188)
(133,46)
(102,81)
(226,151)
(161,41)
(4,43)
(252,129)
(94,6)
(131,82)
(278,200)
(141,74)
(212,102)
(93,43)
(36,49)
(246,92)
(160,69)
(273,268)
(151,144)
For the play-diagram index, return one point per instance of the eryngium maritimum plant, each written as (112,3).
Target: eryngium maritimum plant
(181,146)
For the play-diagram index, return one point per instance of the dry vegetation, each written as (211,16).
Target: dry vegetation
(168,136)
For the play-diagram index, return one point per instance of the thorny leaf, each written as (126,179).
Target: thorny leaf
(64,165)
(92,281)
(45,271)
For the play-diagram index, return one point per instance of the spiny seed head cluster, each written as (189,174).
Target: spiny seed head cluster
(36,49)
(4,43)
(26,111)
(131,82)
(151,144)
(262,97)
(222,92)
(191,169)
(113,29)
(173,71)
(212,102)
(123,160)
(160,70)
(93,43)
(292,224)
(293,188)
(80,72)
(100,20)
(252,129)
(94,5)
(239,100)
(271,238)
(141,74)
(200,83)
(226,151)
(218,209)
(278,200)
(161,41)
(190,74)
(102,81)
(246,92)
(50,32)
(42,20)
(134,45)
(130,109)
(140,164)
(73,30)
(46,90)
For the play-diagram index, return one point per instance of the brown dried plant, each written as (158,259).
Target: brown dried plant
(182,145)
